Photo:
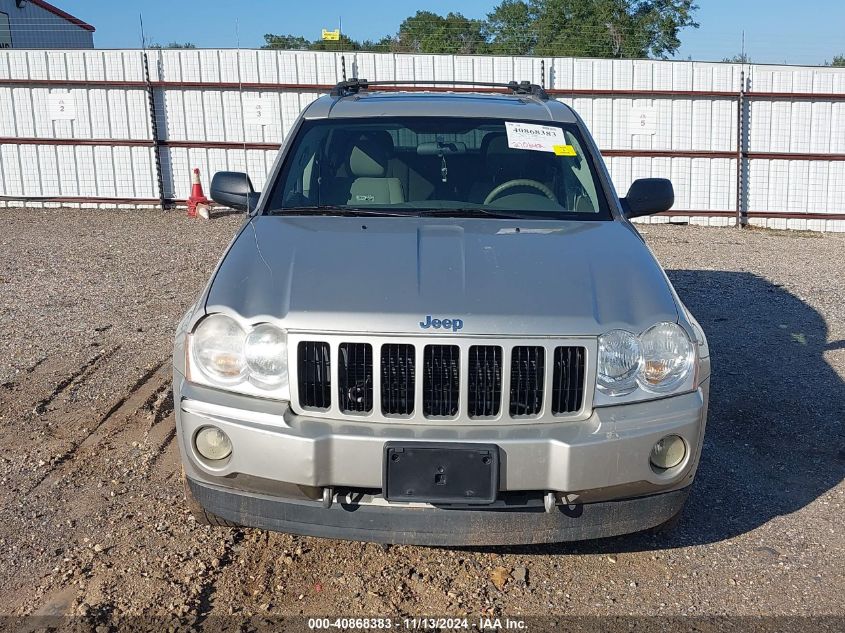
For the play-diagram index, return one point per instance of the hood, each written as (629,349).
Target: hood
(387,275)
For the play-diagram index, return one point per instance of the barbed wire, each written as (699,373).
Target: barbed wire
(549,42)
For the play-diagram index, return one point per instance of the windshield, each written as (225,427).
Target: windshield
(439,166)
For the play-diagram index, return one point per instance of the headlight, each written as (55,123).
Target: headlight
(660,360)
(619,362)
(250,360)
(266,352)
(218,349)
(668,356)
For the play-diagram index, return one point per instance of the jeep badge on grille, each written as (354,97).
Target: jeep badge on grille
(446,324)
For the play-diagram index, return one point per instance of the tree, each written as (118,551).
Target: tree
(581,28)
(590,28)
(428,32)
(286,42)
(740,58)
(174,45)
(508,29)
(383,45)
(838,61)
(343,44)
(299,43)
(661,21)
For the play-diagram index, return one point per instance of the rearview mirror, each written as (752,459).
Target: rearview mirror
(438,148)
(647,196)
(234,189)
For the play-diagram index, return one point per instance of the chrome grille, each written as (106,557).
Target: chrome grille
(314,370)
(527,364)
(355,377)
(568,379)
(484,381)
(442,379)
(398,363)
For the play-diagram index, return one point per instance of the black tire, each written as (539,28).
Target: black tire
(202,516)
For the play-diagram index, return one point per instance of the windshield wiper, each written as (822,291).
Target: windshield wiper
(333,209)
(470,212)
(460,212)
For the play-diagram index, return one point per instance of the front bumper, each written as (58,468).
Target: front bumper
(603,457)
(440,526)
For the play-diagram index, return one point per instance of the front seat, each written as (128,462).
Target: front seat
(504,163)
(501,163)
(368,162)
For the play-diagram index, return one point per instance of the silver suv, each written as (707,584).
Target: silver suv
(438,326)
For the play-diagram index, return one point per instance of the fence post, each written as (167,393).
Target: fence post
(154,131)
(741,155)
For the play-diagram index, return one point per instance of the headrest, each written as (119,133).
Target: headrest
(369,155)
(503,161)
(506,163)
(495,143)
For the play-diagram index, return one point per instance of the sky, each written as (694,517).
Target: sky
(776,31)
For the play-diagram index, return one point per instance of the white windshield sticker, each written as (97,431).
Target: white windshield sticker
(540,138)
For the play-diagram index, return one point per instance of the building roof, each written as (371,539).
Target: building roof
(62,14)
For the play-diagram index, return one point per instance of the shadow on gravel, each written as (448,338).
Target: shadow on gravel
(775,439)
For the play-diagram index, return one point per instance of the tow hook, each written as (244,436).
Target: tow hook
(328,495)
(550,501)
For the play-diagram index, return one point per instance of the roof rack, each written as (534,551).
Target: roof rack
(355,85)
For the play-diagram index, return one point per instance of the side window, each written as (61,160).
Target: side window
(301,177)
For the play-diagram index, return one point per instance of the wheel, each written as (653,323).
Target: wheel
(202,516)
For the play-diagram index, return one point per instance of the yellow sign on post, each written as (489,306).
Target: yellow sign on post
(331,35)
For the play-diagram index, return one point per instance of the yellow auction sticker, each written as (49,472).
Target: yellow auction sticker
(564,150)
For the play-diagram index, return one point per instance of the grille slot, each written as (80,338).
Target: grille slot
(568,379)
(355,377)
(314,367)
(527,374)
(392,379)
(484,382)
(398,369)
(441,380)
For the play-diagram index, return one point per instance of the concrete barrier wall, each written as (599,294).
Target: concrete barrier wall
(790,146)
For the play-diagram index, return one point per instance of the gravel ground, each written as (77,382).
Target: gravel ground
(92,520)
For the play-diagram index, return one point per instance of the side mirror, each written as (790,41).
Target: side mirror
(647,196)
(234,189)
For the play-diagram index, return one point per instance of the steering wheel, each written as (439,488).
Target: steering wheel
(520,182)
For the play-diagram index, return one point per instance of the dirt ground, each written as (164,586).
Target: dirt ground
(92,519)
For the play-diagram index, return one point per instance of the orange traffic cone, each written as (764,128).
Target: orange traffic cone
(197,202)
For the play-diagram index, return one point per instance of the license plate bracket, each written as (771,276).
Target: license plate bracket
(441,472)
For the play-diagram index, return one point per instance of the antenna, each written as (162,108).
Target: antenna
(241,97)
(340,41)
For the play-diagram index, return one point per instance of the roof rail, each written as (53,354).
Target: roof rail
(355,85)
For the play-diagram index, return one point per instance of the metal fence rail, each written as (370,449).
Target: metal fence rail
(755,143)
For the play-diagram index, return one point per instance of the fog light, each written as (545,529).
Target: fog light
(668,452)
(212,443)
